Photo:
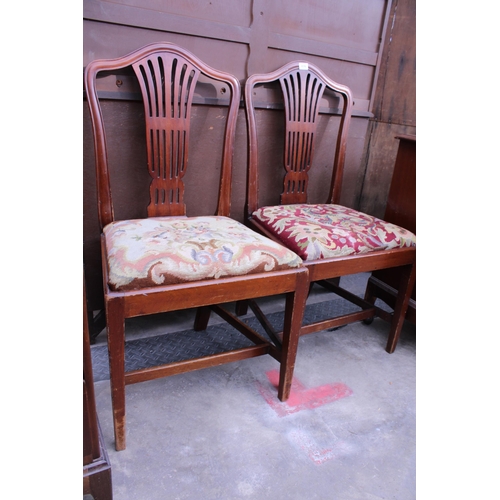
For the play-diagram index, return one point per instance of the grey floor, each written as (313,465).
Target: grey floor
(347,432)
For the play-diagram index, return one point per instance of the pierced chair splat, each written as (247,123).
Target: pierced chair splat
(169,261)
(333,240)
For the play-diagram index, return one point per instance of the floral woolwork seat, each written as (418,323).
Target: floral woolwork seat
(166,261)
(168,250)
(322,231)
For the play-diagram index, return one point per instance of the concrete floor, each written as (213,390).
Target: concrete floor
(347,431)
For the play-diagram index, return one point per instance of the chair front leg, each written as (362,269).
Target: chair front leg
(116,353)
(294,312)
(407,282)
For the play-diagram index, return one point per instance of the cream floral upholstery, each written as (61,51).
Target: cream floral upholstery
(167,250)
(323,231)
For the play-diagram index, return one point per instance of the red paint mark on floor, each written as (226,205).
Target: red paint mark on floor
(300,397)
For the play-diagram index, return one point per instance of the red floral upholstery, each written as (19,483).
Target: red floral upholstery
(323,231)
(166,250)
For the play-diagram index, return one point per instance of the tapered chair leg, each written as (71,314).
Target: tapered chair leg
(201,319)
(294,313)
(370,296)
(116,350)
(406,285)
(241,307)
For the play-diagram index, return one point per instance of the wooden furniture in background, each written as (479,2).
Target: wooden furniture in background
(401,210)
(167,77)
(96,466)
(318,232)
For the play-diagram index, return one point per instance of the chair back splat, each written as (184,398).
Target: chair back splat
(332,240)
(168,112)
(170,260)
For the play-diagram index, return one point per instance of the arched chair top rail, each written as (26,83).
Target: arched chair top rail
(292,67)
(148,50)
(282,74)
(105,207)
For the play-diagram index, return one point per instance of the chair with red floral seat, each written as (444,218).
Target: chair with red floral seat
(333,240)
(170,261)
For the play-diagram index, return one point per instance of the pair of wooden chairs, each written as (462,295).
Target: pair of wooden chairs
(169,261)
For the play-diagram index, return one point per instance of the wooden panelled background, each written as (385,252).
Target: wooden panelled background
(368,45)
(394,107)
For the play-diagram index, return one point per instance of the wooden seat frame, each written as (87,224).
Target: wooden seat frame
(302,86)
(205,295)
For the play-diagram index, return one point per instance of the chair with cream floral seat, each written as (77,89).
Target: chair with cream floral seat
(333,240)
(169,261)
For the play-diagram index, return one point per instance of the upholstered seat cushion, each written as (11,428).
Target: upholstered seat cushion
(323,231)
(167,250)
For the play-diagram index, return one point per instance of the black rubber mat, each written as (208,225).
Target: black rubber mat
(176,346)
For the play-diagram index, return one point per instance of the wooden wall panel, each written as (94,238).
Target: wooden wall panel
(343,37)
(394,107)
(349,25)
(103,40)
